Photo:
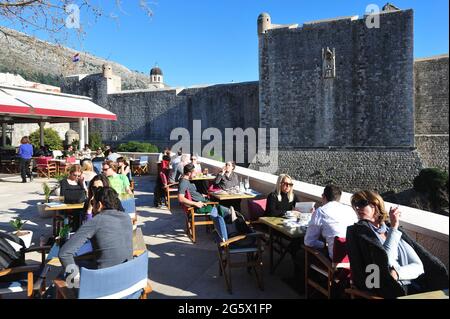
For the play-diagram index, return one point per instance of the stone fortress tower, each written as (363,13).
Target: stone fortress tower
(113,82)
(343,98)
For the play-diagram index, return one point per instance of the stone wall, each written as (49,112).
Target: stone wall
(431,110)
(372,87)
(353,170)
(151,115)
(433,150)
(431,95)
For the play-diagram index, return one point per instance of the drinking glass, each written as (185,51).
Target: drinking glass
(247,184)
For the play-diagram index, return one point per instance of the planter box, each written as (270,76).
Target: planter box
(26,236)
(42,212)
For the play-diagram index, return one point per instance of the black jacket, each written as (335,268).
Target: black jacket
(364,248)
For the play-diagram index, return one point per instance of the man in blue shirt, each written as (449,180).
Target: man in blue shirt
(25,154)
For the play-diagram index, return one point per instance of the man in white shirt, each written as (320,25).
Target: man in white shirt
(329,220)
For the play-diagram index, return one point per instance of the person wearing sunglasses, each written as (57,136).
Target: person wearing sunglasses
(227,178)
(119,182)
(96,182)
(403,266)
(282,199)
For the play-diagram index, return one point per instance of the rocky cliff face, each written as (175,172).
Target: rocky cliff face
(37,60)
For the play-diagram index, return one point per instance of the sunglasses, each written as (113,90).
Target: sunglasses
(288,184)
(105,169)
(361,203)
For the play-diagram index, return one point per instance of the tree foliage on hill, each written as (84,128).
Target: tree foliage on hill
(57,18)
(51,139)
(33,77)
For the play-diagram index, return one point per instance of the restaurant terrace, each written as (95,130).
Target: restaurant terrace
(178,267)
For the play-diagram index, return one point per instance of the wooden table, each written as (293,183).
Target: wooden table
(203,178)
(226,196)
(276,226)
(437,294)
(66,209)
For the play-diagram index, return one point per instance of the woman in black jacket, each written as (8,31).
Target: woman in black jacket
(383,258)
(282,199)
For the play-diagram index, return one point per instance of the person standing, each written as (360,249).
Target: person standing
(25,153)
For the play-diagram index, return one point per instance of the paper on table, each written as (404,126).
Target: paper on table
(305,207)
(54,204)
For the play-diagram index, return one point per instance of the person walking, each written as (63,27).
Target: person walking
(25,153)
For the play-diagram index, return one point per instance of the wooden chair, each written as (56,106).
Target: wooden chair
(143,163)
(127,280)
(249,244)
(357,293)
(170,189)
(323,274)
(45,167)
(193,219)
(22,278)
(136,168)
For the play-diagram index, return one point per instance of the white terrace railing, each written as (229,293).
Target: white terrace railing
(429,229)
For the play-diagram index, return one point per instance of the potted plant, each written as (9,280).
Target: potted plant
(41,206)
(25,235)
(63,235)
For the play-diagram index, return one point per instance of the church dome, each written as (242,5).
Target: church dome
(156,71)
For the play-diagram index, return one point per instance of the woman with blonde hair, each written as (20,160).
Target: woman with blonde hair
(282,199)
(404,266)
(88,171)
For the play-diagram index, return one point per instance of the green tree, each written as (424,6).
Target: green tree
(433,182)
(51,139)
(134,146)
(95,140)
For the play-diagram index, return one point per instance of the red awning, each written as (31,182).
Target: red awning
(18,101)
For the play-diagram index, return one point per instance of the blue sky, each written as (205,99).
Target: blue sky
(215,41)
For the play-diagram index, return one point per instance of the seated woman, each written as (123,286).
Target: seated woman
(110,232)
(227,178)
(123,168)
(404,267)
(88,171)
(95,183)
(73,189)
(282,199)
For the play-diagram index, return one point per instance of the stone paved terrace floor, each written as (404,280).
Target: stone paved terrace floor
(177,267)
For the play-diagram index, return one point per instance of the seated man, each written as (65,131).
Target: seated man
(198,200)
(177,169)
(329,220)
